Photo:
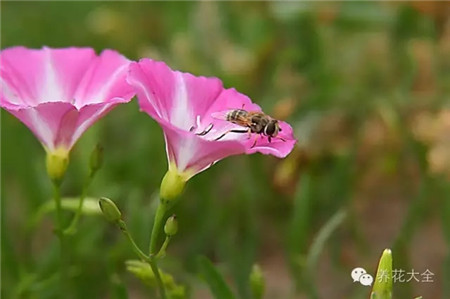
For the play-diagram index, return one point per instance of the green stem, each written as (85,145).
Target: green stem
(59,226)
(154,266)
(162,251)
(151,260)
(71,229)
(123,227)
(157,224)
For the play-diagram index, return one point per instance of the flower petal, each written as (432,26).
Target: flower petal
(33,76)
(279,146)
(104,80)
(59,93)
(89,114)
(44,120)
(184,106)
(58,124)
(171,95)
(191,153)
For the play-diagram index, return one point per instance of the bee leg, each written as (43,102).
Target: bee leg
(192,129)
(270,139)
(254,143)
(206,130)
(230,131)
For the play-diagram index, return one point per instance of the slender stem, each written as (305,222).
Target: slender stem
(71,229)
(59,226)
(154,266)
(151,260)
(162,251)
(157,224)
(123,227)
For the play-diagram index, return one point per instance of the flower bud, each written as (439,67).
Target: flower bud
(257,283)
(172,186)
(383,287)
(109,209)
(56,163)
(96,160)
(171,226)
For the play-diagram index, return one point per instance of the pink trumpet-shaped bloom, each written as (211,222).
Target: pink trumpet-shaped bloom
(184,105)
(59,93)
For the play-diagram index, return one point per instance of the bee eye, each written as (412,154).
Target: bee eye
(270,129)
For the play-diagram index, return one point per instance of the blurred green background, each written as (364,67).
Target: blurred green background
(366,87)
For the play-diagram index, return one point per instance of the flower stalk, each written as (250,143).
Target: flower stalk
(58,230)
(113,214)
(96,162)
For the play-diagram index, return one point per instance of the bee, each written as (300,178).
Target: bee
(254,121)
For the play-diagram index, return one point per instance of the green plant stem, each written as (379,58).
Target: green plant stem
(154,266)
(59,227)
(151,260)
(162,251)
(157,224)
(123,227)
(71,229)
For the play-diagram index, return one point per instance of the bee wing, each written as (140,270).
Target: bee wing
(222,115)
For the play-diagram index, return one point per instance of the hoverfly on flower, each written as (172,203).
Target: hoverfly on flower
(254,121)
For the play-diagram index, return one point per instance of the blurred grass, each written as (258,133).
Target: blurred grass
(365,86)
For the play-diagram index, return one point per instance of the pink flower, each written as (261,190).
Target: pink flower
(59,93)
(185,106)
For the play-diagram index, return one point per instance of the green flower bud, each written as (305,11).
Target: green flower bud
(383,287)
(96,160)
(171,226)
(172,186)
(109,209)
(257,282)
(56,163)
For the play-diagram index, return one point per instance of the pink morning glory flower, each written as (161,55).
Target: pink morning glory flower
(187,106)
(59,93)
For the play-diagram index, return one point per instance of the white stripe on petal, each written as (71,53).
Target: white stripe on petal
(52,89)
(41,128)
(181,115)
(9,93)
(187,151)
(149,98)
(100,95)
(87,123)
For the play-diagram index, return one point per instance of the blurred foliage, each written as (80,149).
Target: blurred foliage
(366,87)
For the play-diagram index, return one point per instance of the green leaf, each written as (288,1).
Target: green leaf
(214,279)
(382,288)
(90,207)
(144,272)
(257,282)
(317,247)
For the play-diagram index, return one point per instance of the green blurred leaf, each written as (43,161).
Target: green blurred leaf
(90,208)
(144,272)
(257,282)
(316,249)
(382,288)
(214,279)
(300,223)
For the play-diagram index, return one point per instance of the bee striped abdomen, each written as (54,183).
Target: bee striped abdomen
(236,114)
